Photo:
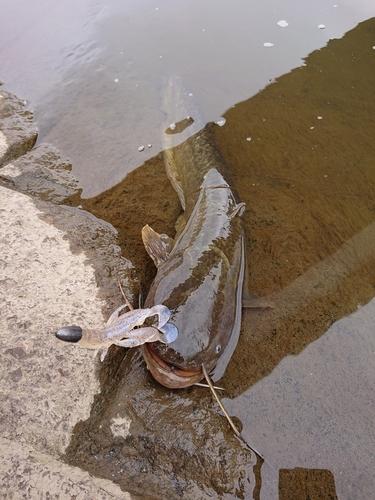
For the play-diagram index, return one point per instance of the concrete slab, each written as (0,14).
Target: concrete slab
(27,473)
(48,280)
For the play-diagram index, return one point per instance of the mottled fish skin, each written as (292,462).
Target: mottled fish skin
(199,275)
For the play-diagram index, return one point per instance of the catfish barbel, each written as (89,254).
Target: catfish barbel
(200,273)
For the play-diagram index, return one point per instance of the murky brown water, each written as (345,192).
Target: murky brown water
(302,378)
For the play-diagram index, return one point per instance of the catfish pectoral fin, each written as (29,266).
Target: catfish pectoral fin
(158,246)
(254,301)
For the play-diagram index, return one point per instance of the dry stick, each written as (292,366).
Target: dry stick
(131,308)
(231,423)
(207,386)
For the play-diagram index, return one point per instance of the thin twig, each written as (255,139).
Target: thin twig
(231,423)
(131,308)
(207,386)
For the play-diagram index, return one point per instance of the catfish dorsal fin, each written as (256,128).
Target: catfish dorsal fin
(254,301)
(158,246)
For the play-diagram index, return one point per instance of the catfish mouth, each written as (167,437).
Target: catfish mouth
(169,375)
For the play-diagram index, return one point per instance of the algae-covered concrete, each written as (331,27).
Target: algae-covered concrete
(52,262)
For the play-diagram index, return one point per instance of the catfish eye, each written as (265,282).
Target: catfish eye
(218,349)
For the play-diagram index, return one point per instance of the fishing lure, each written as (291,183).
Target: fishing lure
(125,330)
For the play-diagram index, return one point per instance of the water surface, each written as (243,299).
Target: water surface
(93,72)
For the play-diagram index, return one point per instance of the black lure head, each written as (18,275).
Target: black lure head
(69,333)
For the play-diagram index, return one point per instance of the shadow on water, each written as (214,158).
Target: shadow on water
(307,176)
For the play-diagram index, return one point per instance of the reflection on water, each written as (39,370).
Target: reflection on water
(315,410)
(92,71)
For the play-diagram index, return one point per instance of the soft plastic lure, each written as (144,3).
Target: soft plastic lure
(126,330)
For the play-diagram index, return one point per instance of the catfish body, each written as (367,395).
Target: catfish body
(199,273)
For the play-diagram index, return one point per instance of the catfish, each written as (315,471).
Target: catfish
(200,272)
